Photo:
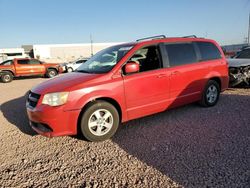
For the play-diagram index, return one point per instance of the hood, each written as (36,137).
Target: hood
(64,83)
(238,62)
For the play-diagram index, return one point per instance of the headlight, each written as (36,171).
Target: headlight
(55,99)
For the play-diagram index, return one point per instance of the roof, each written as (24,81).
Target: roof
(168,40)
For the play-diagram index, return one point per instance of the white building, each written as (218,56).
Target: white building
(67,52)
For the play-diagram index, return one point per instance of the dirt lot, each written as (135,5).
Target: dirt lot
(189,146)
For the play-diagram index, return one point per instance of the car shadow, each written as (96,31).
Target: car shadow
(28,77)
(15,113)
(194,146)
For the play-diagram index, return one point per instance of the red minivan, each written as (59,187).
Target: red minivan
(126,82)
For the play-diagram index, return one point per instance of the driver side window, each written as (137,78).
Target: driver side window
(148,58)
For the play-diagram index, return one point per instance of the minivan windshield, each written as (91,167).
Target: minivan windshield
(105,60)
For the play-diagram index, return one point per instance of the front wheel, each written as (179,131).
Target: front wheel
(100,121)
(211,94)
(51,73)
(69,69)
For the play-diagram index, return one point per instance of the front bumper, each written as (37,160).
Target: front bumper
(53,121)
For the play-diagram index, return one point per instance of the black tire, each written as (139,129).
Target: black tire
(90,133)
(212,99)
(69,69)
(51,73)
(6,77)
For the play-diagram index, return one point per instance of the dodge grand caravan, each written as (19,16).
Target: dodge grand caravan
(126,82)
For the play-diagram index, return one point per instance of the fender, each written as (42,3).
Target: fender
(52,68)
(224,79)
(6,70)
(213,74)
(86,97)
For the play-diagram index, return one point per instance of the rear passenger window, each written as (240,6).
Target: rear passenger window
(23,62)
(208,51)
(181,54)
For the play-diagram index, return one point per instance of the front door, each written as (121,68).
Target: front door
(37,67)
(146,92)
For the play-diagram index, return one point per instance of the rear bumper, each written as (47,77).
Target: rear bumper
(53,121)
(224,83)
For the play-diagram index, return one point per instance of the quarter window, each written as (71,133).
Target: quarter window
(208,51)
(181,54)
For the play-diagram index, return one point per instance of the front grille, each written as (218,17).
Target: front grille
(33,99)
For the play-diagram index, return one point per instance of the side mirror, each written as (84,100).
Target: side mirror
(132,67)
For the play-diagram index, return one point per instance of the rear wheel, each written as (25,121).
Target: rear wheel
(100,121)
(51,73)
(6,77)
(211,94)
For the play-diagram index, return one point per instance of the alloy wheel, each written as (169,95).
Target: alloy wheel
(100,122)
(212,94)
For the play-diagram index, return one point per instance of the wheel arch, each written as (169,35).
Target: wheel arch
(217,79)
(107,99)
(52,68)
(7,70)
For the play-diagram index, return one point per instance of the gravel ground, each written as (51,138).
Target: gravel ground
(185,147)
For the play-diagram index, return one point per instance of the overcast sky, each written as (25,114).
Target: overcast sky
(72,21)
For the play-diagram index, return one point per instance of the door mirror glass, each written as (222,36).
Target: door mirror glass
(131,67)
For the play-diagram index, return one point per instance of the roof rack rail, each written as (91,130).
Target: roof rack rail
(153,37)
(190,36)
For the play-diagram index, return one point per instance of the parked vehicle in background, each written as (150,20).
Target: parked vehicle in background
(126,82)
(72,66)
(239,68)
(63,67)
(27,67)
(7,62)
(11,53)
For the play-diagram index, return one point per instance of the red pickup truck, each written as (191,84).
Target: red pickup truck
(27,67)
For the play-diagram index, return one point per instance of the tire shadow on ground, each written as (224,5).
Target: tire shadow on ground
(28,77)
(195,146)
(15,113)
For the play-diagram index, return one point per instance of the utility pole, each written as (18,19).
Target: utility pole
(91,43)
(248,29)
